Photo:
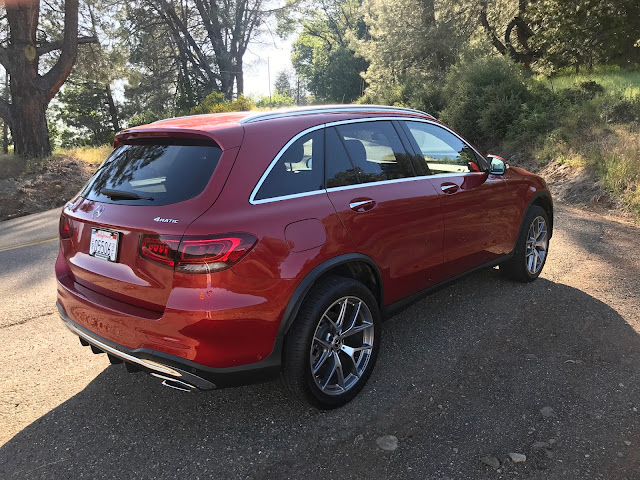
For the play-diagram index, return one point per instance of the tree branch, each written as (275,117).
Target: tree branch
(5,111)
(51,82)
(51,46)
(484,21)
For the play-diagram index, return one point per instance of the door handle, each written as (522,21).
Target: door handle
(362,204)
(449,188)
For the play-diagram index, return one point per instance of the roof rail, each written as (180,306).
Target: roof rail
(259,116)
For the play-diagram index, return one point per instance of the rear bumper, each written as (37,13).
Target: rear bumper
(175,372)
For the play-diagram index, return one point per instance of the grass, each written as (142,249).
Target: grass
(602,133)
(617,81)
(13,166)
(93,155)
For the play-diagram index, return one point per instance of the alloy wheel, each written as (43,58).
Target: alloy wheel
(537,245)
(342,345)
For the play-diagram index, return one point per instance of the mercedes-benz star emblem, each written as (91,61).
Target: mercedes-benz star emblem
(98,211)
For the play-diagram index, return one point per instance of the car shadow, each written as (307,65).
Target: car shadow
(462,374)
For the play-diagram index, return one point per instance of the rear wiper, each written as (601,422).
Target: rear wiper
(122,195)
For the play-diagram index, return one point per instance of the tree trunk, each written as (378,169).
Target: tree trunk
(239,77)
(5,125)
(113,111)
(29,127)
(30,91)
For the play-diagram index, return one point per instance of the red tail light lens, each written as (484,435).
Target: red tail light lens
(65,227)
(198,254)
(160,249)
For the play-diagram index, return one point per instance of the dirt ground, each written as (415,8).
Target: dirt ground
(40,186)
(480,370)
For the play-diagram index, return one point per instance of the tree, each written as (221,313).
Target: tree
(323,54)
(282,83)
(411,44)
(211,38)
(585,32)
(86,103)
(31,91)
(559,33)
(517,35)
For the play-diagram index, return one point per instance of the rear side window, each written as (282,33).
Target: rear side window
(300,169)
(443,152)
(376,151)
(153,173)
(340,170)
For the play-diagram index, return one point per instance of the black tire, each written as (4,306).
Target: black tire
(516,267)
(297,376)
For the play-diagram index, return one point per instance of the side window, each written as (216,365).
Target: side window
(299,169)
(375,151)
(340,170)
(443,151)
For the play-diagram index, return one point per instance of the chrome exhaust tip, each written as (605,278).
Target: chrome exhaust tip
(175,384)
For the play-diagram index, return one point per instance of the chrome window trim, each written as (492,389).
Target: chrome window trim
(255,190)
(258,117)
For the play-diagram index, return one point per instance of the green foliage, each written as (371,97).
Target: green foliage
(277,100)
(146,117)
(614,80)
(322,53)
(586,32)
(215,102)
(485,97)
(282,83)
(84,112)
(410,46)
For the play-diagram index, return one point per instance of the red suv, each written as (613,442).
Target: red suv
(220,250)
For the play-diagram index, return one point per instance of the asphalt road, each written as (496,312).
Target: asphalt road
(466,373)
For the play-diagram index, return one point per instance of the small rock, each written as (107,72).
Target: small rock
(58,187)
(517,457)
(455,450)
(493,462)
(627,443)
(387,443)
(540,445)
(547,412)
(551,441)
(620,454)
(530,356)
(358,439)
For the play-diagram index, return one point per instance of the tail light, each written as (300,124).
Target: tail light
(197,254)
(65,227)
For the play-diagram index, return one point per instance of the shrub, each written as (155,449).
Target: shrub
(485,97)
(146,117)
(277,100)
(216,103)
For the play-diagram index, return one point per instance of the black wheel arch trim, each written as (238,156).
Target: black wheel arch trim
(307,282)
(295,302)
(544,194)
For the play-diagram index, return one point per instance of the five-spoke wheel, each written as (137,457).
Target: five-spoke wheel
(332,346)
(342,345)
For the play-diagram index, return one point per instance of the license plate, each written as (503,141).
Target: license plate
(104,244)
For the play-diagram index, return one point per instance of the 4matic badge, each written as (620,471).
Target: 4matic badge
(165,220)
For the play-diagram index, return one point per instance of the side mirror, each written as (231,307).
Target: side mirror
(498,165)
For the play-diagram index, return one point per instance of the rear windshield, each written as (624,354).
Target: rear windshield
(153,173)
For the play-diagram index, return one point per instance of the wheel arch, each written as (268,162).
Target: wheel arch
(352,265)
(541,199)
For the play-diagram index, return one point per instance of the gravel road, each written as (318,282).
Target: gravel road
(473,373)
